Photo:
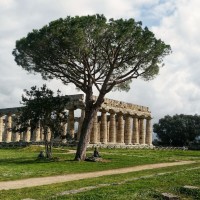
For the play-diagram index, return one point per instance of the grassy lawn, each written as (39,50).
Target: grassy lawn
(148,184)
(21,163)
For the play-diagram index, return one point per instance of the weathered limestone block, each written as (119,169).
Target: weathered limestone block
(190,187)
(168,196)
(190,190)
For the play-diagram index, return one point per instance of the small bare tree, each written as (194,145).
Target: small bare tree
(41,107)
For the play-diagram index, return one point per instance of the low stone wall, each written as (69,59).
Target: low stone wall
(120,146)
(73,144)
(26,144)
(170,148)
(194,147)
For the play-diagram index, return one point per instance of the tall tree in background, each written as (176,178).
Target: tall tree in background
(92,53)
(41,107)
(177,130)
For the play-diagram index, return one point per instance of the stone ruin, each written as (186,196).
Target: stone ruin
(116,123)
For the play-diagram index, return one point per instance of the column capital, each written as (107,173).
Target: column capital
(9,114)
(120,113)
(127,114)
(142,117)
(112,111)
(103,110)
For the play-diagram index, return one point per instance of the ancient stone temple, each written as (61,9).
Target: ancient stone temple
(116,123)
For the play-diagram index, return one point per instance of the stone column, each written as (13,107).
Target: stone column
(21,136)
(98,136)
(62,138)
(41,134)
(88,139)
(135,139)
(17,137)
(94,133)
(16,134)
(108,125)
(103,127)
(142,132)
(127,131)
(70,123)
(49,134)
(8,128)
(80,124)
(120,128)
(1,128)
(36,133)
(24,136)
(27,134)
(148,132)
(112,127)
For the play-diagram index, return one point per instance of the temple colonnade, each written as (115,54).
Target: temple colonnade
(115,123)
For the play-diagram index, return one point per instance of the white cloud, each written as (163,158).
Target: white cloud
(175,90)
(179,81)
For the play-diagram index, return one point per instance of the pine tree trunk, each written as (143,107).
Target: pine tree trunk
(48,147)
(48,144)
(85,133)
(91,110)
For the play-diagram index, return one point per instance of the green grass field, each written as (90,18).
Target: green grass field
(148,184)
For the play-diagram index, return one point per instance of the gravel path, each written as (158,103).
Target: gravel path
(31,182)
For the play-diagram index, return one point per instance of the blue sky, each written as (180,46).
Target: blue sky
(175,90)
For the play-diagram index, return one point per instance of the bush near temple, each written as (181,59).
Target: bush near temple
(177,130)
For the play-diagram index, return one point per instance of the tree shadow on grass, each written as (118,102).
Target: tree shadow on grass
(33,160)
(10,161)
